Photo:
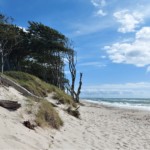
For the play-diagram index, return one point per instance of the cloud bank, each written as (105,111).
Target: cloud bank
(127,90)
(136,52)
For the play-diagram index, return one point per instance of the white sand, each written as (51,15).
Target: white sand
(100,128)
(13,134)
(104,128)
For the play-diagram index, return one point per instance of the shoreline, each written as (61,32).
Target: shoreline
(104,128)
(119,106)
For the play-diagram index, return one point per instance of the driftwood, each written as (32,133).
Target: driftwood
(11,105)
(74,113)
(29,125)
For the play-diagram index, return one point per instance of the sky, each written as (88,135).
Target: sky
(111,37)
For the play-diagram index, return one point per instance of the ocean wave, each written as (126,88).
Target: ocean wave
(140,104)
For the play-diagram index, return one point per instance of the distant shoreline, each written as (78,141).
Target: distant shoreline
(115,105)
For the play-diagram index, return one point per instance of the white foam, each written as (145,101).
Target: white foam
(122,105)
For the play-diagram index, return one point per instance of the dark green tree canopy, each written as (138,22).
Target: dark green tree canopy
(38,50)
(41,51)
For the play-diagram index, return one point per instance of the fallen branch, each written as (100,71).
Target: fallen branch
(72,112)
(11,105)
(29,125)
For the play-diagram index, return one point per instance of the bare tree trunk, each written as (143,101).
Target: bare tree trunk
(72,68)
(2,61)
(79,88)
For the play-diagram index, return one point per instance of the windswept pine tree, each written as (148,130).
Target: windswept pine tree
(38,50)
(47,51)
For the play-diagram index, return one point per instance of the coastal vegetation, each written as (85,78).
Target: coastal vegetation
(47,116)
(35,58)
(41,51)
(39,88)
(43,110)
(41,113)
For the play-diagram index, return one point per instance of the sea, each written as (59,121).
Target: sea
(131,103)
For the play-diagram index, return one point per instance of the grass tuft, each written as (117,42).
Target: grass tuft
(47,116)
(63,98)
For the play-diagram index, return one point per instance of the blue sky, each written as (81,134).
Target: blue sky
(111,38)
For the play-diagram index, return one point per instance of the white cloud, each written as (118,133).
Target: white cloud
(99,4)
(129,20)
(95,64)
(143,34)
(127,90)
(23,28)
(136,52)
(100,13)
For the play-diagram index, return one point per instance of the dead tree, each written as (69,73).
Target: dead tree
(79,88)
(72,61)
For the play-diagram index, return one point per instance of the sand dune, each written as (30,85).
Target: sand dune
(13,134)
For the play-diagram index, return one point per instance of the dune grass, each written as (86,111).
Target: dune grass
(39,87)
(31,83)
(43,112)
(47,116)
(63,98)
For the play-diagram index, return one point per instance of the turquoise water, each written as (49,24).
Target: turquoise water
(138,103)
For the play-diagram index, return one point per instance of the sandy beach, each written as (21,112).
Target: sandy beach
(75,75)
(100,128)
(104,128)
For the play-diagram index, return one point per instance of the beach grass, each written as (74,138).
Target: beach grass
(47,116)
(38,87)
